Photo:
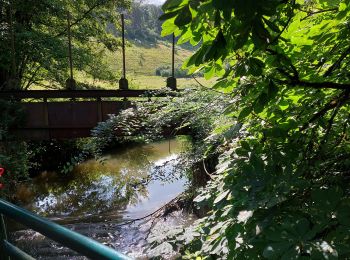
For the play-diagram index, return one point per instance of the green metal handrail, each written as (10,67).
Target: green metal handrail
(58,233)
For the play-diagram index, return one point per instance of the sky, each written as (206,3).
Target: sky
(156,2)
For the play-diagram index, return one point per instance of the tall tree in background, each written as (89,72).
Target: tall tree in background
(281,189)
(33,39)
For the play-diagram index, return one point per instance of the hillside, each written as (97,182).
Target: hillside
(146,51)
(141,64)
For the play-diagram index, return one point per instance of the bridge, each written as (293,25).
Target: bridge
(48,117)
(73,118)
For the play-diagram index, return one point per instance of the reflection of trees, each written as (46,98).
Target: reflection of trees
(136,158)
(104,188)
(97,188)
(90,195)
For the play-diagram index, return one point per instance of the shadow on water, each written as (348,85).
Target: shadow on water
(99,195)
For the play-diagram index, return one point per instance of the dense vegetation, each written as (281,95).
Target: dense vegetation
(33,40)
(34,44)
(143,26)
(277,120)
(281,188)
(13,152)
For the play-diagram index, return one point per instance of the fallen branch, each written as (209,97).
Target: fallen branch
(161,212)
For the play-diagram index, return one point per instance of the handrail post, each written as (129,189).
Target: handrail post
(171,81)
(70,82)
(3,237)
(123,82)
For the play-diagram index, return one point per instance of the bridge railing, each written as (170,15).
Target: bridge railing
(58,233)
(45,94)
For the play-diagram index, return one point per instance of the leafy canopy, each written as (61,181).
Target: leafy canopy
(33,40)
(281,186)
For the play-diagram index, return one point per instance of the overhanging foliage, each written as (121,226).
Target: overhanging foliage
(281,190)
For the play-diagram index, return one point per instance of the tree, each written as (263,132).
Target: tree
(33,39)
(281,186)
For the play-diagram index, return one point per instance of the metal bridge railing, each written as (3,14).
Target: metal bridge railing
(58,233)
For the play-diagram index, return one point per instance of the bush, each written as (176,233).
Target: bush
(13,153)
(165,71)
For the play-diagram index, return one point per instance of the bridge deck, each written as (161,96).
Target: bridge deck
(41,94)
(59,120)
(69,119)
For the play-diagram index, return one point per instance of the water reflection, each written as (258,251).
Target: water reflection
(123,184)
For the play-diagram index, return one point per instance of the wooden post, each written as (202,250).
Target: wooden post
(171,81)
(123,82)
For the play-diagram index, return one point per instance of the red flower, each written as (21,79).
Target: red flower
(2,170)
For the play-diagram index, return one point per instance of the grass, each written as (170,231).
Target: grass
(155,82)
(141,64)
(143,60)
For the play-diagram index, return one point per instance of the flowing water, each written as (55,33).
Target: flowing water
(101,195)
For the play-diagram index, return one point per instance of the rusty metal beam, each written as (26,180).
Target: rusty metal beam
(62,120)
(41,94)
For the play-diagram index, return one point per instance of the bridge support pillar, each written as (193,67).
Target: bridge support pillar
(171,83)
(123,84)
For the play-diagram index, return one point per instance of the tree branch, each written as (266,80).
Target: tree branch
(317,12)
(85,14)
(336,64)
(337,102)
(286,25)
(330,123)
(320,85)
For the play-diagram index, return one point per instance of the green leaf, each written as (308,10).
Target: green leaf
(169,15)
(275,250)
(244,113)
(184,17)
(255,66)
(260,103)
(168,27)
(221,196)
(245,145)
(170,4)
(272,90)
(241,152)
(326,199)
(200,198)
(283,105)
(271,25)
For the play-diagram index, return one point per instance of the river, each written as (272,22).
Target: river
(99,196)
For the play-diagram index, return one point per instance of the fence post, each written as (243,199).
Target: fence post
(171,81)
(123,82)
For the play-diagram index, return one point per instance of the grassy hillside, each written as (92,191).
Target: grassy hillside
(142,62)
